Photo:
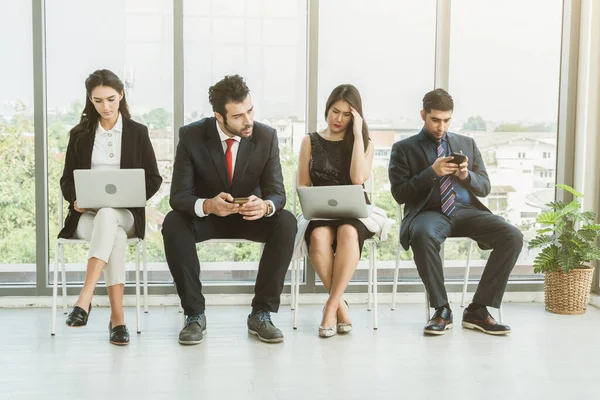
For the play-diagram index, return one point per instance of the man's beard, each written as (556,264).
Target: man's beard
(238,132)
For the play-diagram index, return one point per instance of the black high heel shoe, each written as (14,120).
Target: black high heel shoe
(118,335)
(78,317)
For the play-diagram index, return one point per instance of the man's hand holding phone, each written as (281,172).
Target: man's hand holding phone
(254,208)
(221,205)
(462,162)
(444,166)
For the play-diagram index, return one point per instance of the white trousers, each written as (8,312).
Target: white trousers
(107,231)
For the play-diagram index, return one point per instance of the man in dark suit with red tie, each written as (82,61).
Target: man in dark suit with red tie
(440,201)
(219,159)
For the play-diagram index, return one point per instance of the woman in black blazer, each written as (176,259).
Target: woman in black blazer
(106,138)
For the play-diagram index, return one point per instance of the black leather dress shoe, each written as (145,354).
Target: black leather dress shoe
(118,335)
(481,320)
(78,317)
(440,323)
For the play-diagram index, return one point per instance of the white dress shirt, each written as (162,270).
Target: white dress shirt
(198,206)
(106,153)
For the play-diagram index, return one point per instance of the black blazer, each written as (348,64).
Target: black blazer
(413,182)
(200,170)
(136,152)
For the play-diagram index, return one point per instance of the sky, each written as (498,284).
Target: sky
(504,56)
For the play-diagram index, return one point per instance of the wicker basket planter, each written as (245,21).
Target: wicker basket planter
(568,293)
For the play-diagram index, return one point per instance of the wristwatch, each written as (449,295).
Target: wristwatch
(269,208)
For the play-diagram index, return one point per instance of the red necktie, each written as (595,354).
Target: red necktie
(229,159)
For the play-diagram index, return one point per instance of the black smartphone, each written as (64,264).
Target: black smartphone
(458,158)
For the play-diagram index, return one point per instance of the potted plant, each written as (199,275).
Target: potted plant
(568,241)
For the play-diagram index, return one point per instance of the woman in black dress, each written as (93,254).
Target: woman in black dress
(342,154)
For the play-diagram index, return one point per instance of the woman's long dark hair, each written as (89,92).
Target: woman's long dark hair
(89,116)
(349,94)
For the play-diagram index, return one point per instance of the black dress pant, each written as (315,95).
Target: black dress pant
(429,229)
(181,233)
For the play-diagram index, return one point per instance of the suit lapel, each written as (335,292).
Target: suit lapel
(245,150)
(127,144)
(427,147)
(453,146)
(215,149)
(86,146)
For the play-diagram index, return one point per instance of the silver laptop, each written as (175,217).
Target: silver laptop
(335,202)
(118,188)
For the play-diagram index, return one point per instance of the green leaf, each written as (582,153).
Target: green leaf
(570,208)
(592,227)
(540,240)
(547,218)
(546,261)
(568,262)
(588,215)
(557,205)
(569,189)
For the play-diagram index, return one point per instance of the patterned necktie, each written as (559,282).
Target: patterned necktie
(229,158)
(447,195)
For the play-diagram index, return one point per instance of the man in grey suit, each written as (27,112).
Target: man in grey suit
(439,192)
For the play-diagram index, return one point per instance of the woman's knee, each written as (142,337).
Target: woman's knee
(106,214)
(321,237)
(346,233)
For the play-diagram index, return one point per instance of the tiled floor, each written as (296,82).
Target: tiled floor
(547,357)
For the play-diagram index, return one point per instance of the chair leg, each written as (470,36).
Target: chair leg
(467,271)
(64,279)
(293,285)
(137,286)
(295,282)
(427,310)
(395,284)
(54,291)
(145,276)
(369,289)
(374,268)
(182,311)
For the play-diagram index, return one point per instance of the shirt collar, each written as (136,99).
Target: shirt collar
(428,136)
(118,128)
(223,136)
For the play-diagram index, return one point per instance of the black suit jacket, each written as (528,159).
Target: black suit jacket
(413,182)
(136,152)
(200,170)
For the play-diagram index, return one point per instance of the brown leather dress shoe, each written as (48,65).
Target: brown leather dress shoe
(440,323)
(480,319)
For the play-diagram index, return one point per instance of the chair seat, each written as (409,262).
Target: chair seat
(229,241)
(132,240)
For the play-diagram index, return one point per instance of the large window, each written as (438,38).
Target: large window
(134,39)
(17,161)
(386,49)
(265,42)
(504,77)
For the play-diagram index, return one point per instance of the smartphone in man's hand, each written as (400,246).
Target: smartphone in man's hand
(240,200)
(458,158)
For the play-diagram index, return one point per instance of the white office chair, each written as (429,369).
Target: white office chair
(465,281)
(140,246)
(372,273)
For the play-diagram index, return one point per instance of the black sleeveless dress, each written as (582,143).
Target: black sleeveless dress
(330,166)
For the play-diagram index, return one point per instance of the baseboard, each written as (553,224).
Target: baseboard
(245,299)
